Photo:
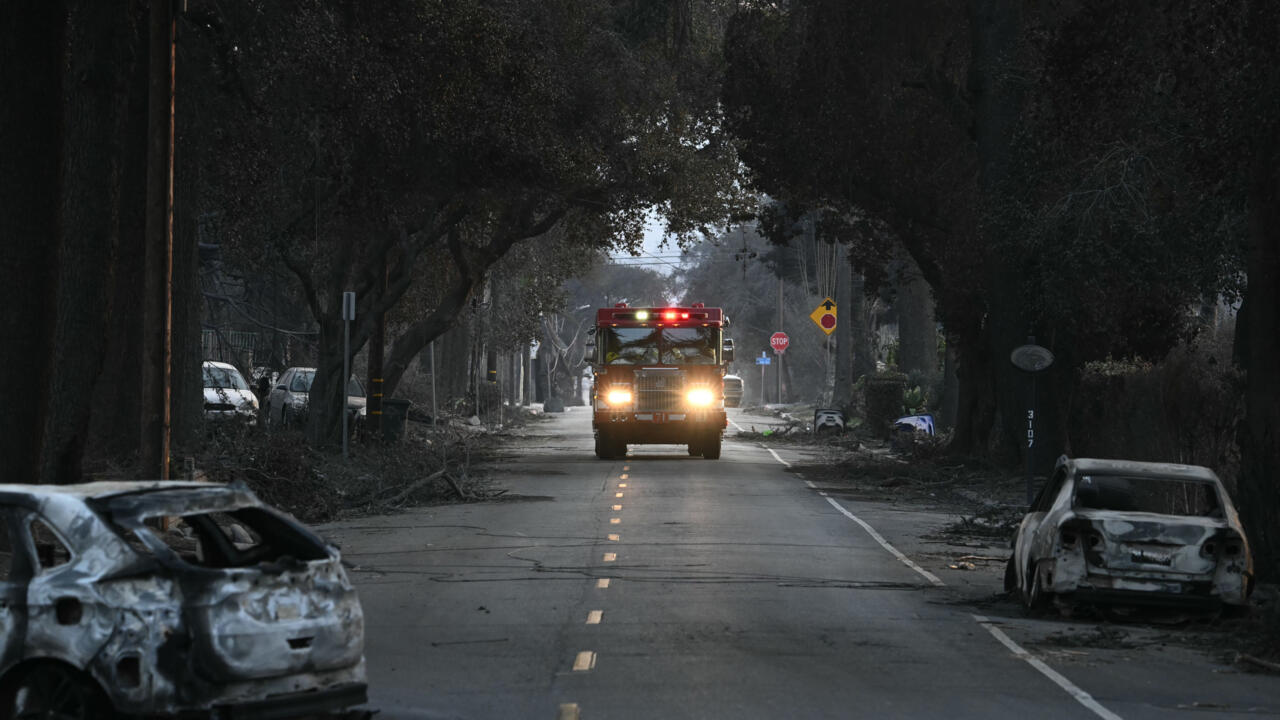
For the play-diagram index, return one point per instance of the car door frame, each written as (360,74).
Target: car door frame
(1033,522)
(13,588)
(275,405)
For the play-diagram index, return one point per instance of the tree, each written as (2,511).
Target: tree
(449,135)
(979,131)
(72,130)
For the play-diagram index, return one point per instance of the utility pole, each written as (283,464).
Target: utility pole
(780,329)
(157,309)
(373,406)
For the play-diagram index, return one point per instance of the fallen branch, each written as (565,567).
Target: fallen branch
(415,485)
(457,488)
(1267,664)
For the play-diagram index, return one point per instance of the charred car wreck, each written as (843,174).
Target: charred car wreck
(233,610)
(1122,532)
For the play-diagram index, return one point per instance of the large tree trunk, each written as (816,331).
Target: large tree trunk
(32,39)
(1259,322)
(187,398)
(917,328)
(94,114)
(862,346)
(328,398)
(995,28)
(157,365)
(975,395)
(116,398)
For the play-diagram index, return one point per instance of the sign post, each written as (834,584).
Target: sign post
(779,342)
(762,361)
(1031,359)
(348,314)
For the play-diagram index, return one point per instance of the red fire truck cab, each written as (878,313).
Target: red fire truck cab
(659,378)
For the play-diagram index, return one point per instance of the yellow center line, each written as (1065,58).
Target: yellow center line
(602,583)
(624,476)
(615,521)
(594,617)
(586,660)
(617,494)
(617,507)
(626,467)
(614,538)
(610,557)
(568,711)
(622,484)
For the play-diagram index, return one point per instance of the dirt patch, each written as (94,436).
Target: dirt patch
(1101,637)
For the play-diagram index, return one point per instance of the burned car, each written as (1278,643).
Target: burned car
(1131,533)
(233,609)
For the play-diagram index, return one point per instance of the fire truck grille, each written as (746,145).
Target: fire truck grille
(659,391)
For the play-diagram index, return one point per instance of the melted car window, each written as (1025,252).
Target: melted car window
(240,538)
(1163,496)
(49,549)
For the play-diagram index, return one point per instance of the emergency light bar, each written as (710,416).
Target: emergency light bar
(623,315)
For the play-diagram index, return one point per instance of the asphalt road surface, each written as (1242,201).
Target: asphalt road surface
(665,586)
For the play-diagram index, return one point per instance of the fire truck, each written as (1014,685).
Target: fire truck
(659,378)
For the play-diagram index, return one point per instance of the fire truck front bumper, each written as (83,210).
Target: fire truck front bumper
(661,427)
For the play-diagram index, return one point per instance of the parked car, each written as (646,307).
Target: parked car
(1123,532)
(236,608)
(732,391)
(287,403)
(828,420)
(227,397)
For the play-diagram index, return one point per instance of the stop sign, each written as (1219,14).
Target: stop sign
(779,341)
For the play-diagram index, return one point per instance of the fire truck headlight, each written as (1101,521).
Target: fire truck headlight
(700,397)
(642,315)
(618,397)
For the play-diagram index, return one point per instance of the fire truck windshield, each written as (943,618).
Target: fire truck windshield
(666,346)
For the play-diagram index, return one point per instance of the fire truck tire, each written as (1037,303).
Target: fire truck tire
(604,446)
(694,448)
(619,447)
(711,448)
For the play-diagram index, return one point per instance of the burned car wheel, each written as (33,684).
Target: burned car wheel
(1033,595)
(55,692)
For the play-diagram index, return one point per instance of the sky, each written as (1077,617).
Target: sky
(655,257)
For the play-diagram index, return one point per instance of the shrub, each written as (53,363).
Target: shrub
(1183,409)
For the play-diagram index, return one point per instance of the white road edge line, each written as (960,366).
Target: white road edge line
(1071,688)
(1058,679)
(885,543)
(775,456)
(731,422)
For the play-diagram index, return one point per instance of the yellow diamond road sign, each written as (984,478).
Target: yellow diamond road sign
(824,316)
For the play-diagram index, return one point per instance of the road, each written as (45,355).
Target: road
(664,586)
